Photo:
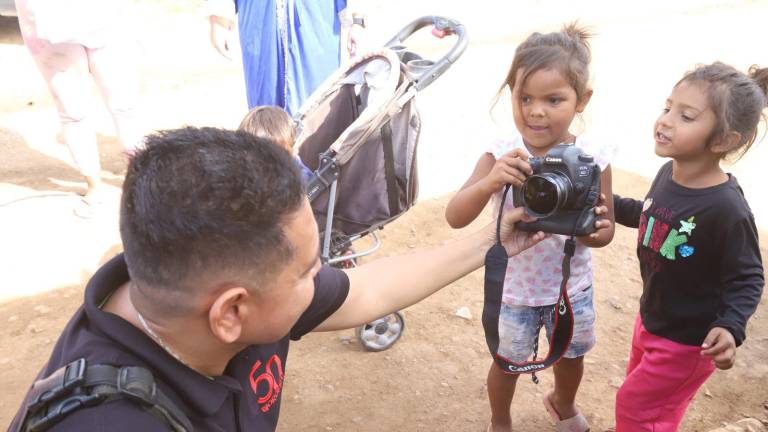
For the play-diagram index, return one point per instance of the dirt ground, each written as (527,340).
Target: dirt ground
(432,379)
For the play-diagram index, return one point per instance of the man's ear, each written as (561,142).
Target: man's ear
(582,104)
(726,143)
(228,313)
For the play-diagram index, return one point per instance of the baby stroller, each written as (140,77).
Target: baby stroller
(358,134)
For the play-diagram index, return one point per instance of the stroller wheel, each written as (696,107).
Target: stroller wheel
(383,333)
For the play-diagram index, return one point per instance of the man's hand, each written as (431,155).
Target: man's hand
(223,35)
(721,346)
(514,240)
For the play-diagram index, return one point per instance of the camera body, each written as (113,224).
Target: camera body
(562,192)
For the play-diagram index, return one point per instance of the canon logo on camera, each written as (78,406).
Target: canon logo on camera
(553,160)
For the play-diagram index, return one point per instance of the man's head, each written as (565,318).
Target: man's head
(216,223)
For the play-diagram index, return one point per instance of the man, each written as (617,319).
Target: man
(220,271)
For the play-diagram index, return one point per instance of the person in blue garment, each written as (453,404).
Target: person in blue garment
(289,47)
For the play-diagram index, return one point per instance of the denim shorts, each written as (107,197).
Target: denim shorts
(518,325)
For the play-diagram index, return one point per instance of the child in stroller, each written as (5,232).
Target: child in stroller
(274,123)
(356,141)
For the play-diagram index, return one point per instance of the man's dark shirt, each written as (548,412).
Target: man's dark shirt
(699,258)
(245,398)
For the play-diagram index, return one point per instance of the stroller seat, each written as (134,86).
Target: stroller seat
(358,133)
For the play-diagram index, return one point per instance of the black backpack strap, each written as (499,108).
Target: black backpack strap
(78,385)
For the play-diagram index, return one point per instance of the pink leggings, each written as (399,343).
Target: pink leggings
(662,378)
(67,68)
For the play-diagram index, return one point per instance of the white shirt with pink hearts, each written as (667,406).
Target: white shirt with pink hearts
(533,277)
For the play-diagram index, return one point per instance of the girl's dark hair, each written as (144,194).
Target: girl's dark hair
(566,51)
(737,99)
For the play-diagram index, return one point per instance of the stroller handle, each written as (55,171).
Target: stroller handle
(442,26)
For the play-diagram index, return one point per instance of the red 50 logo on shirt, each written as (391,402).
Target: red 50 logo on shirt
(267,382)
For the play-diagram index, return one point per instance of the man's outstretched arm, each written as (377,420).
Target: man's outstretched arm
(389,284)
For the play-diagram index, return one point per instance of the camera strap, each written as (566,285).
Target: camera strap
(495,270)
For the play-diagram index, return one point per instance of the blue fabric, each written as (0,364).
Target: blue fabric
(306,173)
(283,70)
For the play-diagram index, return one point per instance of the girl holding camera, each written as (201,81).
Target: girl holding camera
(548,81)
(697,245)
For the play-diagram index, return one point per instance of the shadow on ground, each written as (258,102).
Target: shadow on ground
(29,168)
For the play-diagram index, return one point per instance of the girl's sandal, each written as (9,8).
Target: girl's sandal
(577,423)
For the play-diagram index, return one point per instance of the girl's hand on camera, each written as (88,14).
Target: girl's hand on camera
(601,223)
(511,168)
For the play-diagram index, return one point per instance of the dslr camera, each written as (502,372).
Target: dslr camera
(562,192)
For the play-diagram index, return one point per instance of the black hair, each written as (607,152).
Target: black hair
(206,202)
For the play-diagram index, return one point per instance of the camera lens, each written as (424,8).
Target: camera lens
(544,194)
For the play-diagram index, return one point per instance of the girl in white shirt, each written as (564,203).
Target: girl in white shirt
(549,85)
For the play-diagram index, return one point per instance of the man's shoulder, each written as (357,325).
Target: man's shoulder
(116,415)
(331,290)
(330,277)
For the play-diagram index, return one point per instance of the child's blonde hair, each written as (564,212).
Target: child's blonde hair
(272,123)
